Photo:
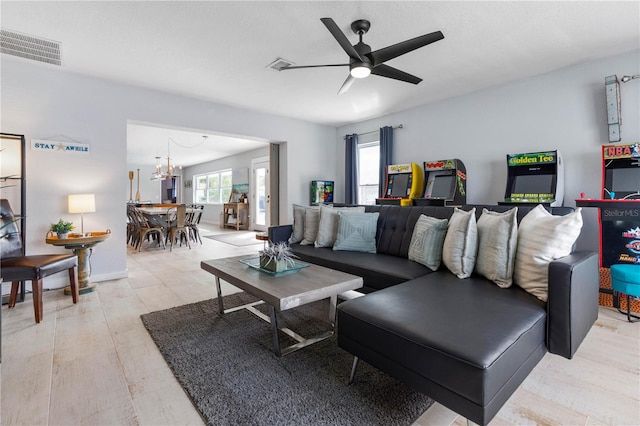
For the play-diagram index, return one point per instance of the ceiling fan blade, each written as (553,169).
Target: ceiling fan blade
(382,55)
(396,74)
(341,38)
(312,66)
(347,83)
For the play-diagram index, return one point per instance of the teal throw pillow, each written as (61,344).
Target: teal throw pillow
(356,231)
(427,240)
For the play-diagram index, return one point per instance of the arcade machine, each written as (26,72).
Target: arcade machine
(321,192)
(404,183)
(445,184)
(619,215)
(535,178)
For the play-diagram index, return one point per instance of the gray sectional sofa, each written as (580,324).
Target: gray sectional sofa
(466,343)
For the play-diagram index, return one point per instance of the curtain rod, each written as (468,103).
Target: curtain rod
(399,126)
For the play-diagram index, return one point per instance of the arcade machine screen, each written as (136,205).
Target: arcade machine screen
(624,180)
(442,186)
(533,184)
(400,187)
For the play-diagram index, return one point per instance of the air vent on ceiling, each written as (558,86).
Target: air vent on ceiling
(279,64)
(30,47)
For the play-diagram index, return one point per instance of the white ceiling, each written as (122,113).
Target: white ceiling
(219,51)
(185,147)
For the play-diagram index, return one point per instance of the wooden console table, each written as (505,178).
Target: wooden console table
(239,211)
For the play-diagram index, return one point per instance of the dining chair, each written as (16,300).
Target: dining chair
(194,214)
(177,224)
(145,230)
(18,268)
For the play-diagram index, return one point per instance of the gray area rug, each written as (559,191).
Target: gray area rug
(237,238)
(227,367)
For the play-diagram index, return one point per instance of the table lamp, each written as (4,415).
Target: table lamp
(82,203)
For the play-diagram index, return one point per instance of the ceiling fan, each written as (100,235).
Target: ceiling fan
(362,61)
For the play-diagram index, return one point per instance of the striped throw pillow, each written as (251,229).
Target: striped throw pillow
(543,238)
(497,243)
(461,243)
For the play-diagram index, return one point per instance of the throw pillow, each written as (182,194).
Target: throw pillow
(328,225)
(543,238)
(311,222)
(461,243)
(297,234)
(427,240)
(497,243)
(356,231)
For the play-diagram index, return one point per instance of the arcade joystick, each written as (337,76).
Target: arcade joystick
(582,195)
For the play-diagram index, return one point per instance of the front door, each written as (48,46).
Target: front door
(260,198)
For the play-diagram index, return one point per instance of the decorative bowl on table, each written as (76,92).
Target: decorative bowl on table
(254,262)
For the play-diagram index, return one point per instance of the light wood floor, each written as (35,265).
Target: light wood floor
(94,363)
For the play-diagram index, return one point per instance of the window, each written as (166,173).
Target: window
(368,167)
(213,188)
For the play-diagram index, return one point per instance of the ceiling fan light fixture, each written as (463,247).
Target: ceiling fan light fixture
(360,70)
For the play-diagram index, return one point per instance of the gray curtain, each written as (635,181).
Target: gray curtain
(386,147)
(351,169)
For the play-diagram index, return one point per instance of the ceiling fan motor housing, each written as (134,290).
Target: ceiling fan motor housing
(363,50)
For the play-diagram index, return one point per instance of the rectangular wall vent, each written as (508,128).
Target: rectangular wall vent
(30,47)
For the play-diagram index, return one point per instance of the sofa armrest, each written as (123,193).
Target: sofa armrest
(279,233)
(572,306)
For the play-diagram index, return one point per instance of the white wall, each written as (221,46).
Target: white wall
(211,212)
(562,110)
(45,102)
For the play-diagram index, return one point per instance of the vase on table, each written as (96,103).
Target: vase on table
(273,265)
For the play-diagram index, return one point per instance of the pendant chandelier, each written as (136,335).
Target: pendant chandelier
(169,172)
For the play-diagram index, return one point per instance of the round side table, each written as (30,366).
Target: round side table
(81,246)
(264,237)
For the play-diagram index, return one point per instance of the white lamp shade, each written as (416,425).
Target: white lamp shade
(82,203)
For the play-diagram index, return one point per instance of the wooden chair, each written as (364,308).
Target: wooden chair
(16,267)
(177,223)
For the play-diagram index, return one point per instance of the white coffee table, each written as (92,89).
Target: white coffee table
(283,292)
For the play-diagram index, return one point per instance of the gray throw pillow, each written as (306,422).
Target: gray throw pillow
(328,226)
(461,243)
(356,231)
(497,243)
(311,222)
(427,240)
(297,234)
